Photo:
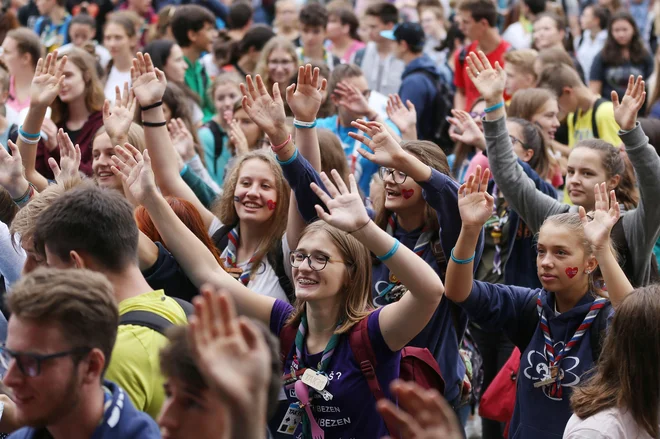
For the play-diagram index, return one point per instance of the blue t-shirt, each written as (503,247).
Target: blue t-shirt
(52,35)
(363,168)
(352,411)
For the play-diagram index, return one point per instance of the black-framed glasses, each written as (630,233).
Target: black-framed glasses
(316,261)
(515,140)
(30,363)
(398,176)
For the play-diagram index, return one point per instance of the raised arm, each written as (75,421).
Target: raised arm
(117,118)
(192,255)
(149,86)
(641,225)
(518,189)
(401,321)
(403,116)
(597,231)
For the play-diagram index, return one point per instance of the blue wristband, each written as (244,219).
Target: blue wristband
(390,253)
(184,169)
(494,107)
(462,261)
(288,162)
(28,135)
(303,125)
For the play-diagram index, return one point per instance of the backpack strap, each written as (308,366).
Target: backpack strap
(221,237)
(287,338)
(276,260)
(359,56)
(152,320)
(217,140)
(186,306)
(594,125)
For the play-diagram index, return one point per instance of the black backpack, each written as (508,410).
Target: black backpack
(218,136)
(152,320)
(443,102)
(275,258)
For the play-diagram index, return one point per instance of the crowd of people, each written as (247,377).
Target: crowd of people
(344,219)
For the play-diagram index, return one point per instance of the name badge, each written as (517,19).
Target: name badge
(291,419)
(316,381)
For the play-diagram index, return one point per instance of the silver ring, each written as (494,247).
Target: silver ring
(477,74)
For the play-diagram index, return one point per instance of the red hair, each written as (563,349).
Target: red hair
(187,214)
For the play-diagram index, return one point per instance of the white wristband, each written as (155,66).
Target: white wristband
(311,124)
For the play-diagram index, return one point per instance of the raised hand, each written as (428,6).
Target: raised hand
(488,80)
(118,120)
(11,171)
(347,211)
(306,95)
(265,110)
(386,150)
(232,355)
(149,83)
(183,141)
(466,130)
(606,214)
(135,171)
(47,80)
(70,157)
(403,116)
(420,414)
(474,203)
(625,112)
(237,138)
(353,100)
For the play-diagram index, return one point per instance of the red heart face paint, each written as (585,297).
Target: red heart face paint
(407,193)
(271,204)
(571,272)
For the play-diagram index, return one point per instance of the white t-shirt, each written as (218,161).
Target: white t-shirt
(265,282)
(612,423)
(116,78)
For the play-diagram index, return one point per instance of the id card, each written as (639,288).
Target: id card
(292,418)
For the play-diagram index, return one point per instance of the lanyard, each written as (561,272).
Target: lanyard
(555,362)
(230,255)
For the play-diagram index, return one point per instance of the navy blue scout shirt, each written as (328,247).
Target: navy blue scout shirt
(441,193)
(496,307)
(167,275)
(121,420)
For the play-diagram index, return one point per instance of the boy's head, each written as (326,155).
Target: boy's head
(519,67)
(313,21)
(342,21)
(563,81)
(380,17)
(194,26)
(595,17)
(82,29)
(532,8)
(240,16)
(476,17)
(409,39)
(46,7)
(88,227)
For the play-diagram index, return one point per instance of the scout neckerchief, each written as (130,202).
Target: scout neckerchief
(423,242)
(230,252)
(554,363)
(496,223)
(321,367)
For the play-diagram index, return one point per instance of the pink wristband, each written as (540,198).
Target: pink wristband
(277,148)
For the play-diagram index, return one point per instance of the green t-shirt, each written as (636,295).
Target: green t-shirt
(198,81)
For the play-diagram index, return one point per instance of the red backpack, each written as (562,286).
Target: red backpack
(417,364)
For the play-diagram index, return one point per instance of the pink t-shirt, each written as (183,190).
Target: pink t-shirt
(357,45)
(14,103)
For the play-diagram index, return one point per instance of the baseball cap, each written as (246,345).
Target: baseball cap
(411,33)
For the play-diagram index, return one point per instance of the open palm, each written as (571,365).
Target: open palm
(183,141)
(606,214)
(265,110)
(306,95)
(47,80)
(403,116)
(352,99)
(117,120)
(489,80)
(467,130)
(134,168)
(386,150)
(625,113)
(70,157)
(148,82)
(347,211)
(11,166)
(474,202)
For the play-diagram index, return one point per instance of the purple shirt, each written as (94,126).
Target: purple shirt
(352,411)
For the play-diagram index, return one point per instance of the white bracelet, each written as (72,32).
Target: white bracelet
(300,123)
(29,141)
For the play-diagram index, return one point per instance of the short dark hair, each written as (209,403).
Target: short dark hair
(159,51)
(347,17)
(85,19)
(313,14)
(480,10)
(602,15)
(257,36)
(189,18)
(386,12)
(536,6)
(95,221)
(240,14)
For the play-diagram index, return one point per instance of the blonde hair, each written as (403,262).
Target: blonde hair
(522,60)
(225,210)
(356,292)
(262,64)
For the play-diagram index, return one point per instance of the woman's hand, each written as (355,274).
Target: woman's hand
(183,141)
(347,211)
(118,120)
(625,113)
(135,171)
(354,101)
(488,80)
(49,128)
(70,157)
(149,83)
(11,171)
(233,356)
(606,214)
(467,131)
(238,139)
(403,116)
(386,150)
(306,95)
(47,81)
(265,110)
(474,203)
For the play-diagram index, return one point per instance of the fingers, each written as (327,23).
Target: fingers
(117,95)
(361,138)
(261,87)
(339,182)
(106,109)
(323,196)
(160,75)
(52,163)
(301,76)
(148,64)
(485,63)
(53,63)
(631,85)
(39,68)
(290,90)
(15,152)
(615,99)
(330,187)
(404,423)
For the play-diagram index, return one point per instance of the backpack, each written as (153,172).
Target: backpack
(417,364)
(275,258)
(594,125)
(218,136)
(443,102)
(152,320)
(359,56)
